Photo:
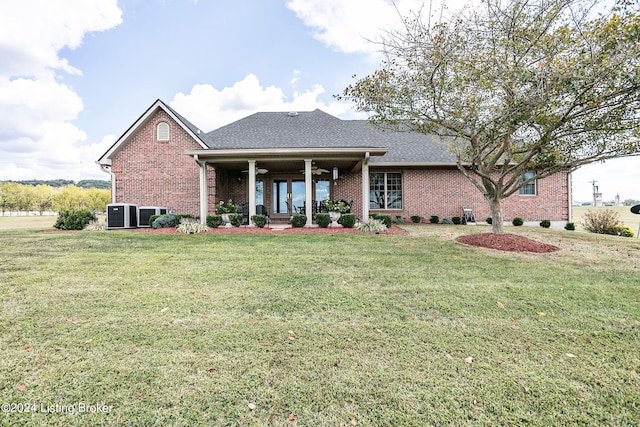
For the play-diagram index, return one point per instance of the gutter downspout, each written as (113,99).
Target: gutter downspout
(107,169)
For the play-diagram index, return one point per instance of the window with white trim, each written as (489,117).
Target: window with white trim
(385,190)
(529,189)
(162,131)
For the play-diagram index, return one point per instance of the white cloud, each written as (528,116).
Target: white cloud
(355,26)
(37,137)
(210,108)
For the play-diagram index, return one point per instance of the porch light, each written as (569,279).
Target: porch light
(335,173)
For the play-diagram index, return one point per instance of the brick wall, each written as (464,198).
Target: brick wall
(443,192)
(153,173)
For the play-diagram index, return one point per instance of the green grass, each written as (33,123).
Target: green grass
(247,330)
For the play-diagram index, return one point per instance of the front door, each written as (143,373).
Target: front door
(288,197)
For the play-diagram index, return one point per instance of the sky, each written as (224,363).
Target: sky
(76,74)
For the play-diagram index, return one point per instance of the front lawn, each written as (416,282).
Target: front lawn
(135,329)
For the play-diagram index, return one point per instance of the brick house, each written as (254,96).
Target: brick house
(283,162)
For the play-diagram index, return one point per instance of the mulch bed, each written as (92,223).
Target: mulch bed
(255,230)
(507,242)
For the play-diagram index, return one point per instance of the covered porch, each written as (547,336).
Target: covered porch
(283,182)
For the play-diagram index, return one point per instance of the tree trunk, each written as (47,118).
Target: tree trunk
(496,216)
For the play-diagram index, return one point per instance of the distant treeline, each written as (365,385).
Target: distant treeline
(57,183)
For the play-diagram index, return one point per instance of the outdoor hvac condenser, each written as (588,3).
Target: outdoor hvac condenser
(122,215)
(146,212)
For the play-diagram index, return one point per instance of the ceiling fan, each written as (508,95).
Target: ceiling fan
(315,170)
(259,171)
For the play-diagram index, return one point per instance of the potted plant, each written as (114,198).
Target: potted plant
(224,209)
(336,208)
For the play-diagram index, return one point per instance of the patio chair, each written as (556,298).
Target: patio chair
(467,215)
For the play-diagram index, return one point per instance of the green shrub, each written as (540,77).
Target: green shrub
(570,226)
(372,225)
(447,221)
(214,221)
(323,220)
(191,226)
(603,222)
(416,219)
(347,220)
(386,219)
(152,218)
(298,220)
(545,223)
(398,220)
(489,220)
(435,219)
(236,219)
(167,220)
(517,221)
(259,220)
(456,220)
(74,220)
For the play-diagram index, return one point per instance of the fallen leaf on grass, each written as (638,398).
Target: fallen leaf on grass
(633,372)
(164,309)
(292,417)
(70,320)
(570,355)
(587,339)
(353,422)
(28,348)
(450,357)
(21,387)
(252,406)
(541,313)
(501,305)
(501,362)
(468,360)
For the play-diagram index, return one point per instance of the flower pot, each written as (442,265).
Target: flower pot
(334,216)
(226,221)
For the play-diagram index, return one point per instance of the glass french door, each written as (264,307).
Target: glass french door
(288,197)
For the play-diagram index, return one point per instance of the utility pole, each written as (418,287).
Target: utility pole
(597,197)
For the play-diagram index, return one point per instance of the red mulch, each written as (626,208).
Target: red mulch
(255,230)
(507,242)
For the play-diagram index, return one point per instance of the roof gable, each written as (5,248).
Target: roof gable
(189,127)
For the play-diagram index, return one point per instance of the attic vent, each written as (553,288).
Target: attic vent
(292,114)
(162,131)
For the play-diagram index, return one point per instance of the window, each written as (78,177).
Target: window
(385,190)
(528,189)
(163,131)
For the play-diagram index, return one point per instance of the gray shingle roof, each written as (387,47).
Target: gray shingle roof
(317,129)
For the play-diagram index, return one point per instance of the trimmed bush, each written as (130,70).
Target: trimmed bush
(323,220)
(259,220)
(168,220)
(347,220)
(298,220)
(489,220)
(236,219)
(416,219)
(625,231)
(435,219)
(74,220)
(398,220)
(153,218)
(517,221)
(456,220)
(447,221)
(214,221)
(570,226)
(545,223)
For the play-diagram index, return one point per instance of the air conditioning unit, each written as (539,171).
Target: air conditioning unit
(122,215)
(146,212)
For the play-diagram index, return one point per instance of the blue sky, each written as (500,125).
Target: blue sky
(75,74)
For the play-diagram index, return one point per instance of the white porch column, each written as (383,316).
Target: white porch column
(204,202)
(252,189)
(365,187)
(308,193)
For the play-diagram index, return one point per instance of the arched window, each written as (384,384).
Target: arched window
(162,131)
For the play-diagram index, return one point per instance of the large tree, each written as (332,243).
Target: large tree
(514,86)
